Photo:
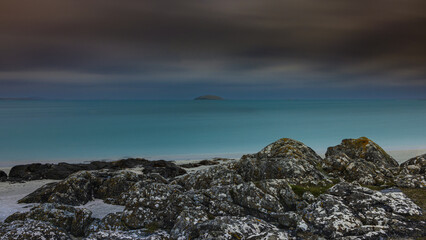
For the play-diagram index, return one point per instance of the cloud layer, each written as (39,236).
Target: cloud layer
(165,45)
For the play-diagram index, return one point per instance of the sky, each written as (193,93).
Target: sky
(238,49)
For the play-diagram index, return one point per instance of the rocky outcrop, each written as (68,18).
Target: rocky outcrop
(360,160)
(62,170)
(32,230)
(412,173)
(73,220)
(285,191)
(3,176)
(284,159)
(349,210)
(84,186)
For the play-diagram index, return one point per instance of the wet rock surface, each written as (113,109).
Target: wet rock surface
(60,171)
(285,191)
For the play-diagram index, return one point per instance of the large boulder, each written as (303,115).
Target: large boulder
(363,148)
(284,159)
(73,220)
(62,170)
(3,176)
(360,160)
(32,230)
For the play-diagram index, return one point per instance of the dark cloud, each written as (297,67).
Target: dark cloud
(284,44)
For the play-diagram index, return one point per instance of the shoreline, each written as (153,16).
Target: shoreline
(400,155)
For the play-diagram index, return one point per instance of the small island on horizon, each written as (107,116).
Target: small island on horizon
(208,97)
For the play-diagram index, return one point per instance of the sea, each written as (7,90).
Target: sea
(80,131)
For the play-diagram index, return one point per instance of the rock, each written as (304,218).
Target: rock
(31,230)
(360,160)
(284,159)
(363,148)
(227,227)
(153,205)
(62,170)
(208,97)
(416,165)
(349,210)
(3,176)
(128,235)
(74,221)
(199,164)
(213,176)
(412,173)
(82,187)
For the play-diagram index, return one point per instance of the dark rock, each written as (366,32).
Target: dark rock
(199,164)
(3,176)
(32,230)
(360,160)
(208,97)
(74,221)
(62,170)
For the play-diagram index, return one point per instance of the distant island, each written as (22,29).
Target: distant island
(208,97)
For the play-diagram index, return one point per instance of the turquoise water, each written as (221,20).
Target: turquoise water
(52,131)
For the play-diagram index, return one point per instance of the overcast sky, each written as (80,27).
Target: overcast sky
(239,49)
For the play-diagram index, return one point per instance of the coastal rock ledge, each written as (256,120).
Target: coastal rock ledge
(285,191)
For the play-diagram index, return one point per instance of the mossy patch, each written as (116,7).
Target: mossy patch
(152,227)
(315,190)
(418,195)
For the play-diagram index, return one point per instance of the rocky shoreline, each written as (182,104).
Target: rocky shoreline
(285,191)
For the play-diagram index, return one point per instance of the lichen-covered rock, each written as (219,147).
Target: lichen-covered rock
(186,222)
(360,160)
(284,159)
(363,148)
(412,173)
(128,235)
(349,210)
(213,176)
(31,230)
(154,204)
(227,227)
(359,170)
(82,187)
(415,165)
(112,221)
(73,220)
(3,176)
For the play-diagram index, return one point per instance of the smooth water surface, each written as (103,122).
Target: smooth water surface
(91,130)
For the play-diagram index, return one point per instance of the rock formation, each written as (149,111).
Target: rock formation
(285,191)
